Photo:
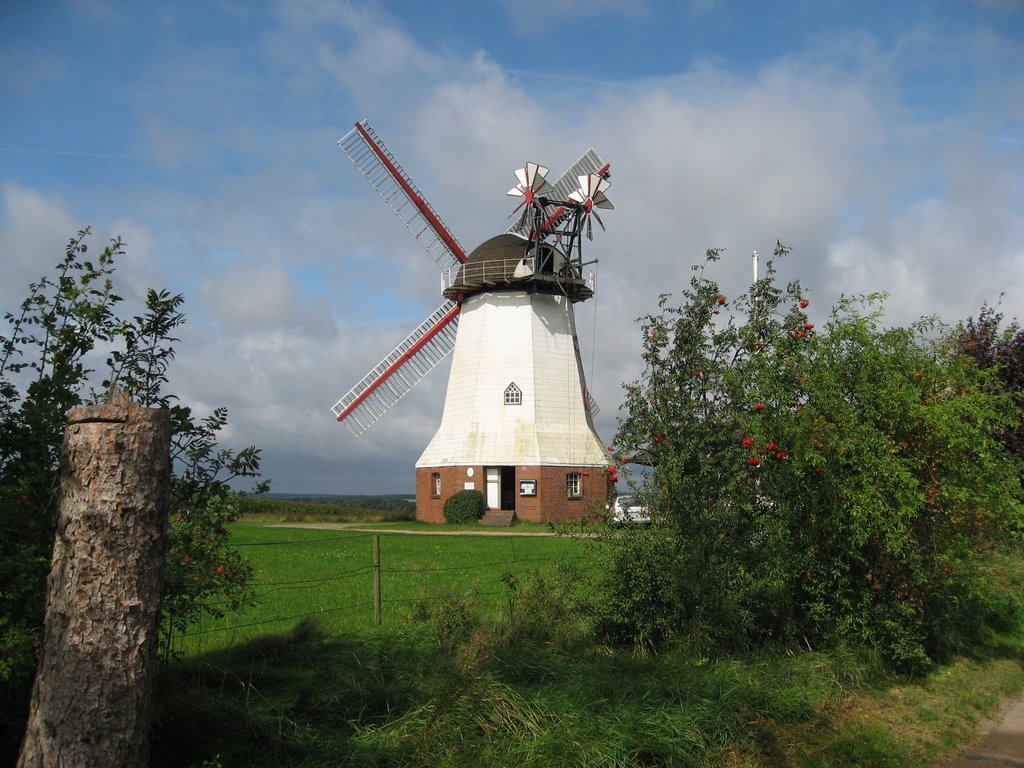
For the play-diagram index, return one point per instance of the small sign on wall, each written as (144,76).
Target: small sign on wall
(469,486)
(527,487)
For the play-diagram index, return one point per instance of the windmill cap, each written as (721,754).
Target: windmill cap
(511,262)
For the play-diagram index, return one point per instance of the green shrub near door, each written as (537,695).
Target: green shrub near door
(464,507)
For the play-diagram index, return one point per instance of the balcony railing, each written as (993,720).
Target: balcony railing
(482,275)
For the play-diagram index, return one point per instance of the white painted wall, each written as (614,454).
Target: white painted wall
(527,339)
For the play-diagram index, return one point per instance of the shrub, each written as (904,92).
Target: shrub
(642,605)
(1001,350)
(818,484)
(545,609)
(464,507)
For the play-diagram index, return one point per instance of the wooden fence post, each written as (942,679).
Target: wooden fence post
(376,580)
(91,702)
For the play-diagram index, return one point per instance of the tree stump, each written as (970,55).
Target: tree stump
(91,702)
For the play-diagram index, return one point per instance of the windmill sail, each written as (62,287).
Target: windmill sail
(399,371)
(431,342)
(375,161)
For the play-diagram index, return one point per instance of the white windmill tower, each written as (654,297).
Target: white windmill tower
(517,422)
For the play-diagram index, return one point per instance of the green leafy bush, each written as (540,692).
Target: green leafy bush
(642,605)
(819,485)
(464,507)
(546,609)
(50,342)
(1001,350)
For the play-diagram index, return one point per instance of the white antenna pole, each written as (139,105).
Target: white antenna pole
(755,266)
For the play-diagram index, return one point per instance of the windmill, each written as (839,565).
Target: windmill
(518,417)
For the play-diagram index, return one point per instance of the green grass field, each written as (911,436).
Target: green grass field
(460,675)
(328,574)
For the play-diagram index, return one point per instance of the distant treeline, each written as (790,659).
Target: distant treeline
(290,507)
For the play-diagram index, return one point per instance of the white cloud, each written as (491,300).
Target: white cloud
(251,298)
(34,232)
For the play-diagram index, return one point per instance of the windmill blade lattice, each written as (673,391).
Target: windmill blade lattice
(394,376)
(375,161)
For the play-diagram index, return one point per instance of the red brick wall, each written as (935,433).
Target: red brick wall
(550,503)
(429,508)
(557,507)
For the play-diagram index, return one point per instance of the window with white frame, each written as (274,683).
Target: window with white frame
(572,485)
(513,395)
(436,480)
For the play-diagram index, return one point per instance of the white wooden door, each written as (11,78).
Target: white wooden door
(493,487)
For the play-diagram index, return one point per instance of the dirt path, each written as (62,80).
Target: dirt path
(362,527)
(1002,747)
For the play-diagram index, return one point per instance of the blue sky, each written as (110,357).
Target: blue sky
(882,141)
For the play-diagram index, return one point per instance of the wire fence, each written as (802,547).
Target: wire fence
(377,585)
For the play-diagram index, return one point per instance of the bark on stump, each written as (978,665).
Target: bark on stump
(91,702)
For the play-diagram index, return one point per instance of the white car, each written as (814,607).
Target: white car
(628,510)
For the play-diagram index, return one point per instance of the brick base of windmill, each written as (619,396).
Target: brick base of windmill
(538,494)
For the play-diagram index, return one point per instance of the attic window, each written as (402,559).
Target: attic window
(513,395)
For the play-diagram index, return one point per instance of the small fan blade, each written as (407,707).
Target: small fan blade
(536,180)
(592,188)
(531,179)
(590,195)
(531,185)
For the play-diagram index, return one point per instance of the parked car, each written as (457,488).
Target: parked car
(628,510)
